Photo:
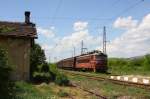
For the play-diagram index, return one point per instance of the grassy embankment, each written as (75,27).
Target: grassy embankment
(139,66)
(112,91)
(49,91)
(130,66)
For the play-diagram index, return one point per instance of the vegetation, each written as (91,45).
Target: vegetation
(4,29)
(139,65)
(110,90)
(29,91)
(42,74)
(37,59)
(41,71)
(59,78)
(6,85)
(61,93)
(49,91)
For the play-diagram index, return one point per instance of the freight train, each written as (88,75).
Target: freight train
(95,60)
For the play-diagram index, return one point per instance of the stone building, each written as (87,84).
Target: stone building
(17,38)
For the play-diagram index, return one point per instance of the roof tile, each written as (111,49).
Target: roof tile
(18,29)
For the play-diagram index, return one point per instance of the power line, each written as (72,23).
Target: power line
(73,18)
(57,9)
(129,8)
(117,1)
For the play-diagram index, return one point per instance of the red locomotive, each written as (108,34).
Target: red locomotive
(96,61)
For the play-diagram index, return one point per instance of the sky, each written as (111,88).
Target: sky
(63,24)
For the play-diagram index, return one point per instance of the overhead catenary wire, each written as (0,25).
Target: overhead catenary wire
(115,2)
(57,9)
(55,17)
(129,8)
(58,18)
(126,10)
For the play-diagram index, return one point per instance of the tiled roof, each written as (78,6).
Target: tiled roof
(18,29)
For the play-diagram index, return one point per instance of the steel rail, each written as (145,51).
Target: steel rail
(86,90)
(125,83)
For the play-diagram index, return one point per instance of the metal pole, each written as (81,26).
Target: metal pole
(104,40)
(74,50)
(82,47)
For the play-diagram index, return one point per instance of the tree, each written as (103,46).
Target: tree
(41,71)
(147,62)
(6,85)
(37,57)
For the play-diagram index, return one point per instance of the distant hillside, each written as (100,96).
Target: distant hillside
(133,65)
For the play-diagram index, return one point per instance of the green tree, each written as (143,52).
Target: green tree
(147,62)
(37,57)
(6,85)
(41,71)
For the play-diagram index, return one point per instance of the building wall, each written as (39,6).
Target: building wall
(19,56)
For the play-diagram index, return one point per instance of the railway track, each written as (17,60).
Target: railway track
(99,78)
(86,90)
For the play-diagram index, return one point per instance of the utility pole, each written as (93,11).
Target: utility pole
(104,40)
(83,49)
(74,51)
(55,59)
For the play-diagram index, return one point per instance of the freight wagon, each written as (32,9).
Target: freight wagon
(96,61)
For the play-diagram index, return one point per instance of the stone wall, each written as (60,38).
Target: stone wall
(19,56)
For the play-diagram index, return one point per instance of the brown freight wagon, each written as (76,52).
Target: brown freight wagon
(68,63)
(96,61)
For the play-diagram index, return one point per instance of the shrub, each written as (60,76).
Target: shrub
(54,71)
(41,71)
(37,57)
(42,77)
(61,79)
(53,68)
(6,85)
(42,74)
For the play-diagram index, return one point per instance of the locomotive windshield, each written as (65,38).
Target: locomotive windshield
(100,57)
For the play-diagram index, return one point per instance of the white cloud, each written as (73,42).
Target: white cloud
(49,33)
(79,26)
(67,42)
(134,41)
(125,23)
(63,46)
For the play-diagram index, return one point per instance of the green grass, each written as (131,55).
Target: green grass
(62,93)
(29,91)
(130,66)
(126,70)
(109,89)
(49,91)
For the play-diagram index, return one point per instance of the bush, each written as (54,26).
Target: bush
(42,74)
(41,71)
(37,57)
(61,79)
(6,85)
(42,77)
(53,69)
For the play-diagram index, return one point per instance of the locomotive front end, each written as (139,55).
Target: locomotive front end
(101,62)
